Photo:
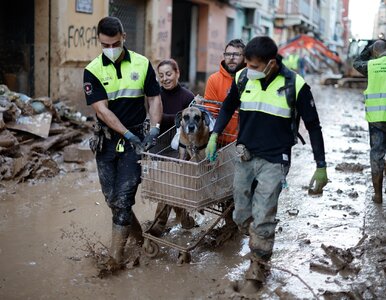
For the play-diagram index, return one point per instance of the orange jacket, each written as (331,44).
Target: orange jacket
(217,88)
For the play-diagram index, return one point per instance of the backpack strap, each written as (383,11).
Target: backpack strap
(290,93)
(242,81)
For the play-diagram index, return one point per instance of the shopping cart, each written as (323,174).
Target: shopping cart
(194,186)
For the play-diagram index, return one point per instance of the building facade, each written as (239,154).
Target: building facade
(45,46)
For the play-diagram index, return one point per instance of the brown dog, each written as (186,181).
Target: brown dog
(194,133)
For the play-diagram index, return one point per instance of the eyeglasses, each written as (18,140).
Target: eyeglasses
(232,54)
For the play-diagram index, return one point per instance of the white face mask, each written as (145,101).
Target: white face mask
(254,74)
(112,53)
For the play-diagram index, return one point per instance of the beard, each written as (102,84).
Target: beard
(233,70)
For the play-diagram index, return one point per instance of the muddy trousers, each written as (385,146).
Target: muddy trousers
(119,176)
(377,132)
(256,189)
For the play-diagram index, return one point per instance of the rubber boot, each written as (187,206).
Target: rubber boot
(135,231)
(118,241)
(377,184)
(159,226)
(229,223)
(187,222)
(254,278)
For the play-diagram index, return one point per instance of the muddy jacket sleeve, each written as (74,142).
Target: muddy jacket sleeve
(360,63)
(305,106)
(230,104)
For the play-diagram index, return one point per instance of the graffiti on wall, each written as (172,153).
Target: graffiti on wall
(81,36)
(163,37)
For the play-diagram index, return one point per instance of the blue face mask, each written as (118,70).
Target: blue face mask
(254,74)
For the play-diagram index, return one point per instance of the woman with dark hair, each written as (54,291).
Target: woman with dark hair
(174,98)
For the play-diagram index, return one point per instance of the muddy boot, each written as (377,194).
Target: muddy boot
(229,223)
(159,226)
(187,222)
(244,228)
(254,278)
(118,241)
(135,231)
(377,184)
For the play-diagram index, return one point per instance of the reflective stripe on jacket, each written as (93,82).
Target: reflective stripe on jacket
(375,94)
(272,101)
(133,76)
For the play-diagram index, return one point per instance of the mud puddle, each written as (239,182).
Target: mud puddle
(53,233)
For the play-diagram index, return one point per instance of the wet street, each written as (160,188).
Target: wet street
(331,246)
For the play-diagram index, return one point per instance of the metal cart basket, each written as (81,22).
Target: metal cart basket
(193,186)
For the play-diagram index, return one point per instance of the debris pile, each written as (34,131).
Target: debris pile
(32,132)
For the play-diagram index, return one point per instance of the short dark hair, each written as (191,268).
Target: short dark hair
(170,62)
(261,47)
(237,43)
(110,26)
(379,47)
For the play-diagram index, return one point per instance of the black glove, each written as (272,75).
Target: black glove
(151,139)
(134,141)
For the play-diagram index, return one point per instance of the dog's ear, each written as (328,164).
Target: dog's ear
(205,117)
(178,118)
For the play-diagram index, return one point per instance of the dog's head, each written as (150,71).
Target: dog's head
(191,119)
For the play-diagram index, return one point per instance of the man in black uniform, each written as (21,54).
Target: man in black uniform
(115,84)
(269,102)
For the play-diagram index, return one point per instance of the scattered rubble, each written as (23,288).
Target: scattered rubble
(32,130)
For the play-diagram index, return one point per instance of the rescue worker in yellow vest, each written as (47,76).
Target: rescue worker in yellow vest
(264,144)
(372,63)
(292,62)
(115,85)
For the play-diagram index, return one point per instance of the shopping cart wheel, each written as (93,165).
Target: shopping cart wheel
(184,258)
(150,248)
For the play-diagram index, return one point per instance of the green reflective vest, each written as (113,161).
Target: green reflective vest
(272,101)
(133,76)
(375,94)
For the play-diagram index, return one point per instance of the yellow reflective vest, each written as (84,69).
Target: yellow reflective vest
(292,61)
(375,94)
(133,76)
(272,101)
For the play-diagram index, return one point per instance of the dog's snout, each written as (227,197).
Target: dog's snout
(191,127)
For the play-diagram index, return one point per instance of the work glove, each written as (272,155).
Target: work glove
(134,141)
(210,150)
(151,138)
(318,181)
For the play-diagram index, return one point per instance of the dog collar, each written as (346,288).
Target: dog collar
(193,148)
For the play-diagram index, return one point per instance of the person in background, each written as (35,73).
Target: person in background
(266,135)
(217,88)
(292,61)
(175,98)
(372,63)
(219,83)
(115,84)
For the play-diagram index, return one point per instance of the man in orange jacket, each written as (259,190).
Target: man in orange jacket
(219,83)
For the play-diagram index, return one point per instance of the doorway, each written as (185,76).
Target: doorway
(17,45)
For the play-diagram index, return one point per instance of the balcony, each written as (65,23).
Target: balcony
(304,14)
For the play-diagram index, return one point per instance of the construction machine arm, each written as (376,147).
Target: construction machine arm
(314,46)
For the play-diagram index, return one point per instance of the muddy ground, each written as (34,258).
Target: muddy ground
(327,247)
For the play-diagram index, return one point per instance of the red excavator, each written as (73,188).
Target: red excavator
(343,74)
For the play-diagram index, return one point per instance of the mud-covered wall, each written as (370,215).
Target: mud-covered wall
(74,44)
(41,61)
(159,30)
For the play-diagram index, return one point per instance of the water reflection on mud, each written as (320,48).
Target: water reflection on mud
(49,230)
